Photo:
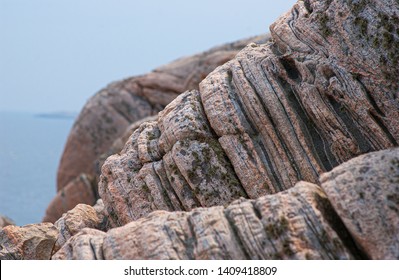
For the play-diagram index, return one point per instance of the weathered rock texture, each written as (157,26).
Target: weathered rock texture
(72,222)
(120,142)
(365,194)
(30,242)
(290,225)
(4,221)
(318,94)
(299,223)
(86,245)
(107,115)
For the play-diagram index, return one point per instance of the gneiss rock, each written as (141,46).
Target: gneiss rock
(107,115)
(299,223)
(295,224)
(4,221)
(86,245)
(365,194)
(318,94)
(41,241)
(120,142)
(30,242)
(72,222)
(164,162)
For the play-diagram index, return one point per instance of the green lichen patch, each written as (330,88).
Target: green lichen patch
(324,26)
(362,24)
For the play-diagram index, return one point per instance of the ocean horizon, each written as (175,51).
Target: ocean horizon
(31,145)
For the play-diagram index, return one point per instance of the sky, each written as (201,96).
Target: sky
(55,54)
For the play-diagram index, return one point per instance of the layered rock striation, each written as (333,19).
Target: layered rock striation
(353,214)
(313,97)
(109,113)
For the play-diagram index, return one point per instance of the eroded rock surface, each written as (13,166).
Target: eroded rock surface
(107,116)
(299,223)
(86,245)
(80,217)
(30,242)
(295,224)
(318,94)
(365,193)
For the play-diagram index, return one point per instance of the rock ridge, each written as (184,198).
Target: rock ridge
(108,114)
(349,215)
(278,113)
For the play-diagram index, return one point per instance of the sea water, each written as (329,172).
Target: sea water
(30,150)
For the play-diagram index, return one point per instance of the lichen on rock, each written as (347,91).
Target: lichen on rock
(279,112)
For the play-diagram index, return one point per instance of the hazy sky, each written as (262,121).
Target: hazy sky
(55,54)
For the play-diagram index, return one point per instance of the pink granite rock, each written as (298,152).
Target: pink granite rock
(288,110)
(365,193)
(107,115)
(30,242)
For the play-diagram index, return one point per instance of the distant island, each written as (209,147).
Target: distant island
(58,115)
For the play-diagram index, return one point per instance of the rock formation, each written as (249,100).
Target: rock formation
(278,113)
(365,194)
(30,242)
(72,222)
(107,115)
(86,245)
(353,214)
(287,151)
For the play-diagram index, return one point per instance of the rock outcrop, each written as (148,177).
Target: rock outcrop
(30,242)
(288,151)
(4,221)
(86,245)
(72,222)
(352,215)
(365,194)
(313,97)
(107,115)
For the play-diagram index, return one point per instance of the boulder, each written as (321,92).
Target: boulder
(86,245)
(295,224)
(365,193)
(30,242)
(72,222)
